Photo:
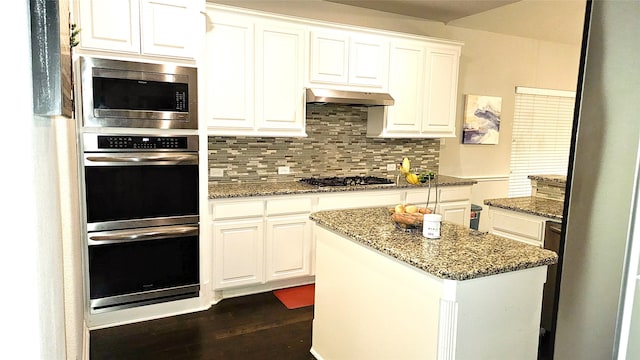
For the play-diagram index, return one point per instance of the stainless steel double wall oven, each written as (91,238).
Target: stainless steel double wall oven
(139,188)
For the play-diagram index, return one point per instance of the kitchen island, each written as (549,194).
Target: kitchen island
(385,293)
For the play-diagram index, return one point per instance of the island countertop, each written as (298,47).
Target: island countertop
(459,254)
(222,191)
(552,209)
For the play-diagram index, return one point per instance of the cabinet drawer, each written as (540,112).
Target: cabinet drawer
(454,194)
(518,227)
(419,197)
(237,209)
(352,200)
(288,206)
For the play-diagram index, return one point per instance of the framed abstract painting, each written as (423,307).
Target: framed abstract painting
(481,119)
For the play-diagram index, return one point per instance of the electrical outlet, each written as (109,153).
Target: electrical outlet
(283,170)
(391,167)
(213,172)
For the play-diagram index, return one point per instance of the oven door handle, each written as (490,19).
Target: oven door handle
(142,235)
(140,158)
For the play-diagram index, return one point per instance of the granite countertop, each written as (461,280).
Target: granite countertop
(533,205)
(460,253)
(558,179)
(221,191)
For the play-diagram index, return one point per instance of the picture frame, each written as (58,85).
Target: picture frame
(481,122)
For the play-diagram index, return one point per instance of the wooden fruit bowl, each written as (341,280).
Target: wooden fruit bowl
(409,221)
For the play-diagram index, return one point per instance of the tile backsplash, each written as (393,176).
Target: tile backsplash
(336,145)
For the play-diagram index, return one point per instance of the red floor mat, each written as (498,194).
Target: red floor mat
(296,297)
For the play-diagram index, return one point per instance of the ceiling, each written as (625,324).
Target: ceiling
(437,10)
(549,20)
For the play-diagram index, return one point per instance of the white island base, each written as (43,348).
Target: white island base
(369,305)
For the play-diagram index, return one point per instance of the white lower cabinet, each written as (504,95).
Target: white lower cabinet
(238,249)
(453,202)
(288,252)
(267,241)
(458,212)
(258,241)
(517,226)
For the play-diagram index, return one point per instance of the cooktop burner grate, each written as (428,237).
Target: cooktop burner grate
(347,181)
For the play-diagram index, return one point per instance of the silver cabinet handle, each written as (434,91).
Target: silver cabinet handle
(555,228)
(143,158)
(142,235)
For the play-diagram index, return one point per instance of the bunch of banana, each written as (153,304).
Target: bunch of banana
(412,179)
(405,169)
(406,166)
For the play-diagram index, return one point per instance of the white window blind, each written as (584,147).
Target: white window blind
(541,138)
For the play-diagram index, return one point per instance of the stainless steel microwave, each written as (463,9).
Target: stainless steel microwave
(128,94)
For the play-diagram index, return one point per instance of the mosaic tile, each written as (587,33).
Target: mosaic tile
(336,145)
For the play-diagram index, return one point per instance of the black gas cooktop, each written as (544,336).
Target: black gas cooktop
(346,181)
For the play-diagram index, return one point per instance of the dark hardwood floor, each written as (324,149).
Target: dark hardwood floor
(248,327)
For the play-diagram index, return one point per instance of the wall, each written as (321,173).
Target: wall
(491,64)
(601,187)
(31,266)
(336,146)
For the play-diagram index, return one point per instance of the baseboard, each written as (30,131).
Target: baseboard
(256,289)
(315,354)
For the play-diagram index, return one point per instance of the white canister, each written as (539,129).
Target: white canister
(431,226)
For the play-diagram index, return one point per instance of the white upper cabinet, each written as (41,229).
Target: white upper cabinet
(329,58)
(407,86)
(254,76)
(348,59)
(279,75)
(441,90)
(167,28)
(257,66)
(423,80)
(229,73)
(109,25)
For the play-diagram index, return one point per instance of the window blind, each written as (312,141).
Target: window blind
(541,137)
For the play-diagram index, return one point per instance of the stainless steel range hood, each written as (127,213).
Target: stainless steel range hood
(329,96)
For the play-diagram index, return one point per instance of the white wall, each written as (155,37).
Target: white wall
(602,186)
(31,266)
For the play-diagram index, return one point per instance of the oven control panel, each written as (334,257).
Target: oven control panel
(142,142)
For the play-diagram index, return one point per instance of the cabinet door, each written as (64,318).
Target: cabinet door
(329,61)
(111,25)
(369,62)
(458,212)
(279,82)
(238,253)
(406,86)
(441,93)
(169,27)
(288,247)
(229,73)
